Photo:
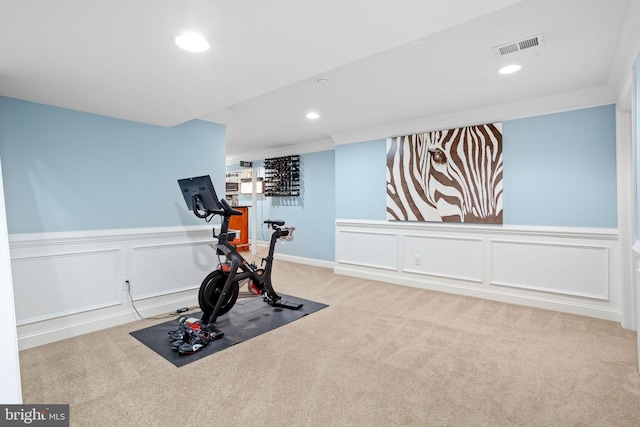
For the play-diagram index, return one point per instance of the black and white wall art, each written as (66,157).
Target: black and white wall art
(452,175)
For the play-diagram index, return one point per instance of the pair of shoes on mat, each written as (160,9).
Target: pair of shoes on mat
(200,339)
(188,329)
(187,326)
(196,342)
(191,336)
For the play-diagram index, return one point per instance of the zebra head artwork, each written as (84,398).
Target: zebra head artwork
(450,175)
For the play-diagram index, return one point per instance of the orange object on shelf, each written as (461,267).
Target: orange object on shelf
(241,223)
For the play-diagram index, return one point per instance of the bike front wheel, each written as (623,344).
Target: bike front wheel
(211,291)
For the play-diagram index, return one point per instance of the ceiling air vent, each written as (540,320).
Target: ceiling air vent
(519,45)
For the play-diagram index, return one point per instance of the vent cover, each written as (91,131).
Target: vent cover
(519,45)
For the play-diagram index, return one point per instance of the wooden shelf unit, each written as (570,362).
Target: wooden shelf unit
(241,222)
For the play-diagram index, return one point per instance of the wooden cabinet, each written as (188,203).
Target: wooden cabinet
(241,222)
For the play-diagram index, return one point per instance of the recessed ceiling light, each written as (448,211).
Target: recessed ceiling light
(508,69)
(312,115)
(192,42)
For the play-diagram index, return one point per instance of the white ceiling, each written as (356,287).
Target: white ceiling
(386,61)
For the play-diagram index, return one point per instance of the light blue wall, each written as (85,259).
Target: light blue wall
(361,180)
(559,170)
(65,170)
(313,213)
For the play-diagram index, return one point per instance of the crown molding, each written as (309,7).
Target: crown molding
(289,150)
(625,95)
(574,100)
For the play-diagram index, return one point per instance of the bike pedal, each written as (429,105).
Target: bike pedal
(287,305)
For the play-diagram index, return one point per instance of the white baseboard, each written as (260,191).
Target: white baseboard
(264,245)
(306,261)
(518,298)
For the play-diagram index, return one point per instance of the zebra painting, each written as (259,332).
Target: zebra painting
(452,175)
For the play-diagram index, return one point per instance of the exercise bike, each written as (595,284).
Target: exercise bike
(221,288)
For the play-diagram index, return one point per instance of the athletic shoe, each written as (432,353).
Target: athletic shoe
(185,329)
(197,341)
(175,345)
(178,334)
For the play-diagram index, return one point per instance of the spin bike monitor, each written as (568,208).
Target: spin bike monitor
(198,193)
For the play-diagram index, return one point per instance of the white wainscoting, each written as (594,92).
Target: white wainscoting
(66,284)
(574,270)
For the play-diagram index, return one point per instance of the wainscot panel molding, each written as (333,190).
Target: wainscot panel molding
(573,270)
(38,296)
(579,270)
(70,283)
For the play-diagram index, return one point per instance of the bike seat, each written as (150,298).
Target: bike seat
(277,222)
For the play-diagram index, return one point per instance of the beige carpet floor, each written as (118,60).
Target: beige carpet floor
(379,355)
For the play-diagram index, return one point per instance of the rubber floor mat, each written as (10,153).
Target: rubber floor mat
(247,319)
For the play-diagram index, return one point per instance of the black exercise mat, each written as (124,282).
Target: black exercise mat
(247,319)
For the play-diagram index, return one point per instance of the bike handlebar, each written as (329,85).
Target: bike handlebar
(228,209)
(225,211)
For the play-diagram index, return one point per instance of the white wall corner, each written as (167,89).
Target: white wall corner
(626,196)
(11,390)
